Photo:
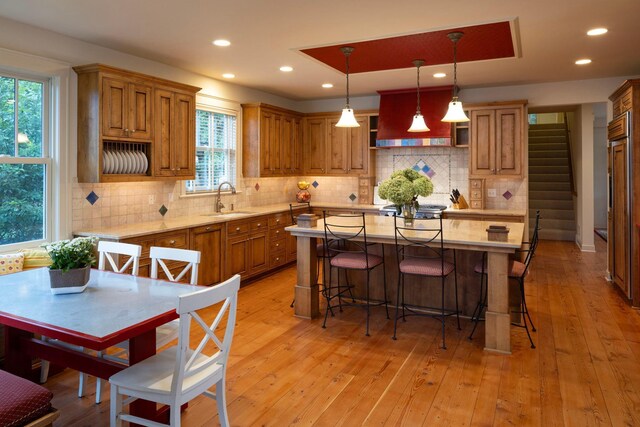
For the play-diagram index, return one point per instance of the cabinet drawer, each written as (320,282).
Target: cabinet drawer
(476,204)
(277,233)
(234,228)
(278,245)
(260,224)
(146,245)
(178,240)
(476,195)
(281,219)
(277,258)
(206,228)
(617,129)
(475,183)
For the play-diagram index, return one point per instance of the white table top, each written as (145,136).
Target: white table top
(457,233)
(111,305)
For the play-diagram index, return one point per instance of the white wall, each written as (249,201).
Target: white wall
(584,180)
(600,166)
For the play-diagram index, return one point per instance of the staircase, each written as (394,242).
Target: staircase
(550,182)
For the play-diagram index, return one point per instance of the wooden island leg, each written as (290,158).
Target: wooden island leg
(306,291)
(498,320)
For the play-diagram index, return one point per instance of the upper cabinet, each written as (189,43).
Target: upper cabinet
(174,141)
(329,150)
(133,127)
(497,142)
(271,141)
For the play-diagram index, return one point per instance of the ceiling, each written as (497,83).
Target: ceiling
(548,37)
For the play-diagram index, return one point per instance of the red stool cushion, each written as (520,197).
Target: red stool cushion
(425,267)
(356,261)
(21,401)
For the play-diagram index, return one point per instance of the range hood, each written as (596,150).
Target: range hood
(397,108)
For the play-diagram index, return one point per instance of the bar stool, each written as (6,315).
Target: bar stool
(517,270)
(421,252)
(306,208)
(346,248)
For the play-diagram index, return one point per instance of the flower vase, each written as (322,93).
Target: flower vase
(408,212)
(71,281)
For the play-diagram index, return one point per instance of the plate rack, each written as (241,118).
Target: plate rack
(125,158)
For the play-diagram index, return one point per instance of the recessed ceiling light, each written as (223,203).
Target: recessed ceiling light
(221,42)
(439,75)
(327,85)
(286,68)
(228,75)
(597,31)
(583,61)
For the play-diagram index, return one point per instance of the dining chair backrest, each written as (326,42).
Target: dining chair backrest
(193,364)
(344,233)
(423,239)
(106,250)
(296,209)
(159,255)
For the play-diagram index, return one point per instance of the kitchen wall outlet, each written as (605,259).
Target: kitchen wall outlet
(491,192)
(152,199)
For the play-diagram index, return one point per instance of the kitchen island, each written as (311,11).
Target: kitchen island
(470,239)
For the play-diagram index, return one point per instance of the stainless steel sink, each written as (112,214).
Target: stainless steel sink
(229,213)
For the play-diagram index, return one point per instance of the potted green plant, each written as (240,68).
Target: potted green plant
(71,264)
(402,189)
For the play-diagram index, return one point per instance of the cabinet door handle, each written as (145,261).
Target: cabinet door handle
(207,229)
(172,242)
(277,245)
(237,228)
(178,169)
(277,221)
(259,225)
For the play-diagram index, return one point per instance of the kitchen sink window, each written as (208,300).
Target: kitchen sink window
(25,161)
(216,138)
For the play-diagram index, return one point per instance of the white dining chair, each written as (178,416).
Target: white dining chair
(106,252)
(169,331)
(181,373)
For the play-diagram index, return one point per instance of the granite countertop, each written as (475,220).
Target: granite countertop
(126,231)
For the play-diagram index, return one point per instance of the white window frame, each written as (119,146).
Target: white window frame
(216,105)
(58,139)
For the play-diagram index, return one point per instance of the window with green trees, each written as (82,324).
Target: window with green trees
(24,159)
(215,151)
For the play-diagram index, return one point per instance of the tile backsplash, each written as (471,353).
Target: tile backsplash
(105,205)
(448,168)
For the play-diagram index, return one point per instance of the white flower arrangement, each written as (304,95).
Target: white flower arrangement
(70,254)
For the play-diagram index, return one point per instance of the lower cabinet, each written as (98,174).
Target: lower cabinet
(209,240)
(174,239)
(247,247)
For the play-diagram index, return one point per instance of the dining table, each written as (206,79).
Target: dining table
(113,308)
(459,234)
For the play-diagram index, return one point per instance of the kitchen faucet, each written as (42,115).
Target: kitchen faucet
(219,206)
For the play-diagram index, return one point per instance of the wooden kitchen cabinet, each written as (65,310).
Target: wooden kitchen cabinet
(178,239)
(247,247)
(329,150)
(121,112)
(175,137)
(126,109)
(271,141)
(497,142)
(210,241)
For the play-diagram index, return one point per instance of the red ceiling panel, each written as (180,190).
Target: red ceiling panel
(480,42)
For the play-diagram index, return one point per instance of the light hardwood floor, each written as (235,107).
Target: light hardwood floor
(286,371)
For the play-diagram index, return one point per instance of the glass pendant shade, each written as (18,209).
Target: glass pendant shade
(418,124)
(455,114)
(347,119)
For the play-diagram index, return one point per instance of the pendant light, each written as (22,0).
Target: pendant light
(347,120)
(418,124)
(455,114)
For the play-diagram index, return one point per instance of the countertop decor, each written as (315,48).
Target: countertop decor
(402,189)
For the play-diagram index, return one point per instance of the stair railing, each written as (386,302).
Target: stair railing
(568,142)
